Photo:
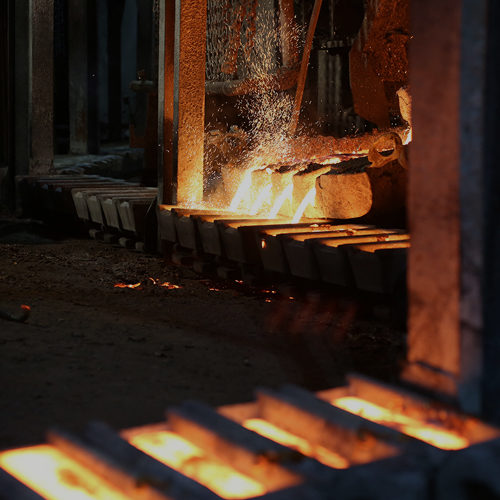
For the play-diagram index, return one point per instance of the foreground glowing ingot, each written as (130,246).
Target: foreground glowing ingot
(320,453)
(55,476)
(188,459)
(419,429)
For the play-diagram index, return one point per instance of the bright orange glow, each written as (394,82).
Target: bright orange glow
(280,200)
(124,285)
(308,200)
(432,434)
(54,476)
(185,457)
(242,191)
(263,243)
(320,453)
(263,197)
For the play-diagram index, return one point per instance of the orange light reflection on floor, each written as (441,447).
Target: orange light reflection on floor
(320,453)
(54,476)
(188,459)
(170,286)
(419,429)
(124,285)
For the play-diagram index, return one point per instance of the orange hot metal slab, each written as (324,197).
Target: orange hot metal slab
(419,429)
(55,476)
(190,460)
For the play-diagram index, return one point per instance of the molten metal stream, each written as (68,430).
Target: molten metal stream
(432,434)
(308,200)
(320,453)
(263,197)
(188,459)
(280,200)
(55,476)
(242,191)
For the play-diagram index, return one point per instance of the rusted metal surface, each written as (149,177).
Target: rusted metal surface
(42,89)
(289,47)
(434,267)
(189,99)
(434,259)
(379,60)
(448,258)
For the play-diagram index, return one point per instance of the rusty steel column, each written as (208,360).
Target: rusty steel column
(447,260)
(42,87)
(189,99)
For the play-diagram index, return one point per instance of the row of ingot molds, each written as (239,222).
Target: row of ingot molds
(348,255)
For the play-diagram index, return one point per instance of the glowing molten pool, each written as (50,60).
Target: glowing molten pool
(432,434)
(188,459)
(55,476)
(286,438)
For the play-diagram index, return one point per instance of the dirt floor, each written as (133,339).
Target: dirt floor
(93,351)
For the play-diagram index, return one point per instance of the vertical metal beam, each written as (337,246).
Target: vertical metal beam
(83,76)
(78,71)
(189,99)
(448,258)
(93,132)
(166,188)
(115,16)
(42,87)
(473,263)
(22,75)
(491,209)
(434,259)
